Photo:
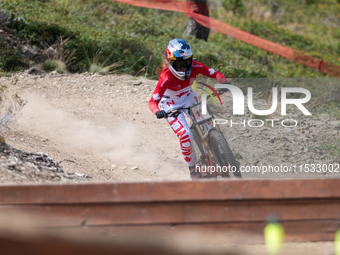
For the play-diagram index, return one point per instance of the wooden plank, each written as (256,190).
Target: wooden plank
(184,213)
(234,232)
(309,208)
(23,234)
(295,231)
(55,245)
(170,191)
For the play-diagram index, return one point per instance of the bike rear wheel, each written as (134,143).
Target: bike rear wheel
(223,153)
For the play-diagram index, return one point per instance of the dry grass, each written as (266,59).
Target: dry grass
(58,58)
(101,68)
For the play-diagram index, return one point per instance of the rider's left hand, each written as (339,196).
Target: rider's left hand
(161,114)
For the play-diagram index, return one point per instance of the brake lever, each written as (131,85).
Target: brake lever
(173,114)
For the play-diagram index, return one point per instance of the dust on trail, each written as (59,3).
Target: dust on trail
(120,145)
(98,125)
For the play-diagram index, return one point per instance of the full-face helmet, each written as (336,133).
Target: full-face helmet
(179,57)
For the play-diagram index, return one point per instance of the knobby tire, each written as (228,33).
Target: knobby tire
(215,139)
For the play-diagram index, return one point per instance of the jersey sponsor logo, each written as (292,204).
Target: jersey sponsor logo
(197,66)
(163,82)
(182,93)
(169,103)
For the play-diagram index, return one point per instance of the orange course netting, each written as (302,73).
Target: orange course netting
(183,6)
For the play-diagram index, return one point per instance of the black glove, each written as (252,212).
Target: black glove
(161,114)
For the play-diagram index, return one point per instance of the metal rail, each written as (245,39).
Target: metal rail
(308,208)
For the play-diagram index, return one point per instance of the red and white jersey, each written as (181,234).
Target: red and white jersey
(176,91)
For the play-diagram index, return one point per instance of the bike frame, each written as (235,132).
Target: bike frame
(196,124)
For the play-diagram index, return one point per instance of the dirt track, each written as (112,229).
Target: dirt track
(101,126)
(98,125)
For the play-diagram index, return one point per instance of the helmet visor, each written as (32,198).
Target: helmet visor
(179,65)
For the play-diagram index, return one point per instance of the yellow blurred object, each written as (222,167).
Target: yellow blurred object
(274,237)
(337,242)
(194,86)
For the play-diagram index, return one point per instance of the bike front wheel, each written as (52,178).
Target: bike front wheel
(223,154)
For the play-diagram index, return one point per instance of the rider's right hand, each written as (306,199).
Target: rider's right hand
(161,114)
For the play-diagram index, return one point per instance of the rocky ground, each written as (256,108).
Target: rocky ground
(19,166)
(101,127)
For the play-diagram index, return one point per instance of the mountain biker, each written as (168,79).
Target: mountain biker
(174,91)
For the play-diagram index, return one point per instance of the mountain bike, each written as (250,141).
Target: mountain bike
(214,156)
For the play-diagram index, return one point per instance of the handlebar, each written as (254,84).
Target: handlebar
(176,112)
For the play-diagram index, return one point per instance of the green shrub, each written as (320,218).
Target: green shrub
(236,6)
(11,57)
(136,37)
(310,1)
(54,65)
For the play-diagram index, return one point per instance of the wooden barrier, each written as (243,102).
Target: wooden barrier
(308,208)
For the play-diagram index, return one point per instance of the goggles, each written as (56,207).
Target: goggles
(179,64)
